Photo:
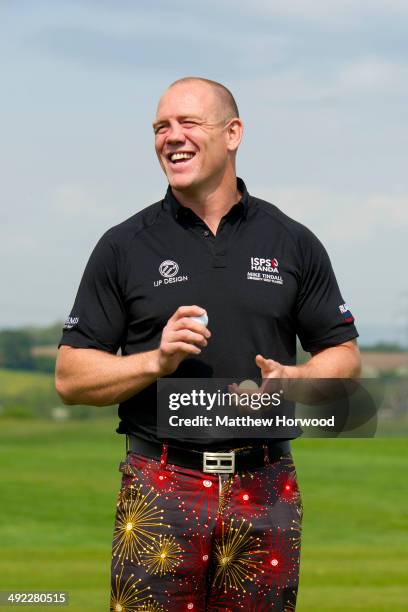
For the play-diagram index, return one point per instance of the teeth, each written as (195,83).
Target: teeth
(176,156)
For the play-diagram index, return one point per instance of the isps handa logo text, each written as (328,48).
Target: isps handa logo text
(264,265)
(266,270)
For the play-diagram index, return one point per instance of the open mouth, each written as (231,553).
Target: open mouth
(180,158)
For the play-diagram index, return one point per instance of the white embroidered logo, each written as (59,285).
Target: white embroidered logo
(168,268)
(70,322)
(266,270)
(264,265)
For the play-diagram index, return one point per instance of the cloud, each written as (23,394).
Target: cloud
(73,199)
(332,14)
(278,67)
(342,218)
(301,39)
(372,73)
(139,52)
(355,81)
(83,209)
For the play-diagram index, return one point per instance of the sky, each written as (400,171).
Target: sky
(322,89)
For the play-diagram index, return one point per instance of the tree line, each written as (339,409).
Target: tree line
(16,347)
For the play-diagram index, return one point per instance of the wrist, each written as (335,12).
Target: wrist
(298,371)
(153,367)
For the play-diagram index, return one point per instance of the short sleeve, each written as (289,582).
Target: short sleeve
(323,319)
(97,319)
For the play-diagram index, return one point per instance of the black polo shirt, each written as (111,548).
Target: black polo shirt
(263,279)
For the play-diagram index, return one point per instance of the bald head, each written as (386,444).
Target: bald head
(198,119)
(227,105)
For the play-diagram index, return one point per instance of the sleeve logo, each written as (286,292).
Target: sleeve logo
(345,311)
(71,322)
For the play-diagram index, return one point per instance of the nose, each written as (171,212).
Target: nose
(175,133)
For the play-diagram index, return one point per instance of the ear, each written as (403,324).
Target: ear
(234,131)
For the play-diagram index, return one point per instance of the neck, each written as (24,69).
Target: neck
(212,201)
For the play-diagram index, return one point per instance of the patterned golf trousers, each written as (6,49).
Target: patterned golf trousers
(185,540)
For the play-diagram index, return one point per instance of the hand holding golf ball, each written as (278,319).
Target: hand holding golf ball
(203,319)
(184,335)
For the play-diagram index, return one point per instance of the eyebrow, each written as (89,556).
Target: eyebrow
(155,124)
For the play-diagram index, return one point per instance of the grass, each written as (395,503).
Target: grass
(27,395)
(15,382)
(58,489)
(354,554)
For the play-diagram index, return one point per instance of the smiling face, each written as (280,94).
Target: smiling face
(192,137)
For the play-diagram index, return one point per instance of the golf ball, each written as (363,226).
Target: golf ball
(248,385)
(203,319)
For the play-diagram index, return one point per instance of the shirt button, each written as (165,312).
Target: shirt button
(206,233)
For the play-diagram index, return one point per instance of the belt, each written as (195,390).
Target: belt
(219,462)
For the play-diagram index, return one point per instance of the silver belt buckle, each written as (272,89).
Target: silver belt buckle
(219,463)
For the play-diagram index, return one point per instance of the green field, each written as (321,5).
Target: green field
(58,488)
(32,395)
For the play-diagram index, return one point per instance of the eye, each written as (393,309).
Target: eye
(188,123)
(160,129)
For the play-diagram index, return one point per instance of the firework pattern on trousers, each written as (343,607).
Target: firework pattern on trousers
(150,606)
(290,606)
(285,487)
(296,529)
(247,496)
(199,500)
(236,553)
(163,556)
(253,603)
(281,601)
(150,473)
(137,521)
(196,551)
(125,594)
(191,596)
(224,493)
(280,561)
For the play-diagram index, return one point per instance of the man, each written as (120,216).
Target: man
(188,538)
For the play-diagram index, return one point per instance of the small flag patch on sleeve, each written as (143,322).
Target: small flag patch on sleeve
(345,311)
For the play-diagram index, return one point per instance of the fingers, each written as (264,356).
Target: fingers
(186,330)
(187,311)
(260,362)
(190,324)
(187,336)
(266,364)
(172,348)
(183,335)
(270,369)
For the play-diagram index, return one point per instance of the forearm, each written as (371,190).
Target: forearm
(342,361)
(93,377)
(98,378)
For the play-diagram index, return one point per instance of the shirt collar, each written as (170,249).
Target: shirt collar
(180,212)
